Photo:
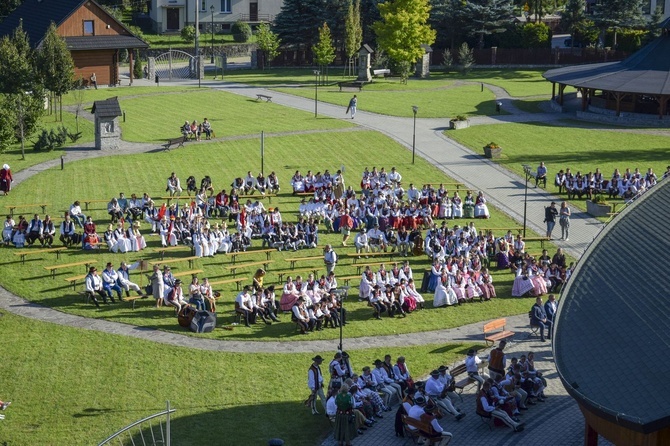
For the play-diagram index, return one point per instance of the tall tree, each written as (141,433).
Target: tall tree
(7,6)
(447,19)
(324,52)
(402,30)
(486,17)
(573,16)
(20,85)
(268,42)
(617,14)
(299,21)
(655,24)
(353,31)
(55,66)
(369,16)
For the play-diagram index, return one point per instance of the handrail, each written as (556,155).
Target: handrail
(166,412)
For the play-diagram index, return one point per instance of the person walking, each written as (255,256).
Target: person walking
(550,214)
(329,258)
(353,103)
(94,81)
(564,220)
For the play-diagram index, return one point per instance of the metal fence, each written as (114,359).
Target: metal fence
(145,431)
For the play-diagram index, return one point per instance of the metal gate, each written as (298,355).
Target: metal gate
(175,64)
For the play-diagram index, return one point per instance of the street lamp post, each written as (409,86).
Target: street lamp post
(316,90)
(414,109)
(211,8)
(528,173)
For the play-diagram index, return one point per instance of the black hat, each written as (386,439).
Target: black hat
(434,373)
(419,401)
(442,368)
(429,407)
(377,361)
(317,358)
(177,282)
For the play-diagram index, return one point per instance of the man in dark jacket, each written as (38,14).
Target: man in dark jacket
(538,317)
(550,215)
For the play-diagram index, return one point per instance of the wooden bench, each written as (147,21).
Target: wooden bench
(193,272)
(133,299)
(419,427)
(346,279)
(358,256)
(23,254)
(73,280)
(351,84)
(381,72)
(359,268)
(495,331)
(263,96)
(191,260)
(233,268)
(303,194)
(179,142)
(53,268)
(236,281)
(519,230)
(537,239)
(21,206)
(293,260)
(162,250)
(462,383)
(267,252)
(257,197)
(296,272)
(447,185)
(87,202)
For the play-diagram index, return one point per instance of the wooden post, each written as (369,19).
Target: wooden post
(132,64)
(590,435)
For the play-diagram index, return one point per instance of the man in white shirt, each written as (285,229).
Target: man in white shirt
(386,384)
(472,362)
(94,286)
(361,241)
(487,404)
(329,258)
(109,278)
(423,411)
(437,390)
(245,306)
(124,278)
(315,383)
(394,177)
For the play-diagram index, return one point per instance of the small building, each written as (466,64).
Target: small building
(107,128)
(173,15)
(93,36)
(611,334)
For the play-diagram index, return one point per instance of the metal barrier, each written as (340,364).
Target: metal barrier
(164,438)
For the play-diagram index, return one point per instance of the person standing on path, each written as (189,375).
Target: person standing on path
(315,384)
(550,215)
(6,179)
(353,103)
(564,221)
(94,81)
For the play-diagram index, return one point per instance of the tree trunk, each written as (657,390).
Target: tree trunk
(60,103)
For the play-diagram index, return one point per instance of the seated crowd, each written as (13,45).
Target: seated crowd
(626,186)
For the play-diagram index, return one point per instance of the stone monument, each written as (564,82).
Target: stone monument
(364,63)
(107,129)
(423,64)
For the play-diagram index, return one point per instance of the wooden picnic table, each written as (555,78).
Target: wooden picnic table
(53,268)
(23,254)
(11,207)
(73,280)
(233,255)
(301,259)
(357,256)
(193,272)
(99,200)
(191,260)
(233,268)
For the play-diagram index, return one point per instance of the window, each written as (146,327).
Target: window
(225,6)
(203,5)
(89,28)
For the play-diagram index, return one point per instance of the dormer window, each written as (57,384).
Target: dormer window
(89,29)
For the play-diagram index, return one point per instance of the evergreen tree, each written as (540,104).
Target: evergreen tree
(402,30)
(447,19)
(486,17)
(617,14)
(369,16)
(655,24)
(54,64)
(299,21)
(573,16)
(466,58)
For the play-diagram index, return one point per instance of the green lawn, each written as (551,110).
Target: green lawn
(224,161)
(93,384)
(91,94)
(582,148)
(230,115)
(518,83)
(12,156)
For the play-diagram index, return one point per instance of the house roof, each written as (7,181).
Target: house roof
(37,15)
(109,108)
(645,72)
(611,335)
(103,42)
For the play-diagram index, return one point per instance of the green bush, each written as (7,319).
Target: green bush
(50,140)
(241,32)
(536,35)
(137,68)
(188,34)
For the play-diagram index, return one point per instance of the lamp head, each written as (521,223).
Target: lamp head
(211,8)
(415,109)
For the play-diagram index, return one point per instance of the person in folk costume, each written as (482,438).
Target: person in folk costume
(8,229)
(410,289)
(486,404)
(94,286)
(110,238)
(315,384)
(173,185)
(109,282)
(67,231)
(337,370)
(136,239)
(166,231)
(485,282)
(123,243)
(124,278)
(157,285)
(6,179)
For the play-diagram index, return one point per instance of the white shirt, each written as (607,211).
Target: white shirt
(471,363)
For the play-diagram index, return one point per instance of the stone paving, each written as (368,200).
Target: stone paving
(556,422)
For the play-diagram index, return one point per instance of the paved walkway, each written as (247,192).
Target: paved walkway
(504,190)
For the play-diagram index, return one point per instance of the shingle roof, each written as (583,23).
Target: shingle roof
(103,42)
(37,15)
(611,341)
(645,72)
(109,108)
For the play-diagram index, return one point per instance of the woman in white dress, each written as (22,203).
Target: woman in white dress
(122,241)
(444,295)
(410,289)
(481,210)
(137,242)
(7,229)
(456,206)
